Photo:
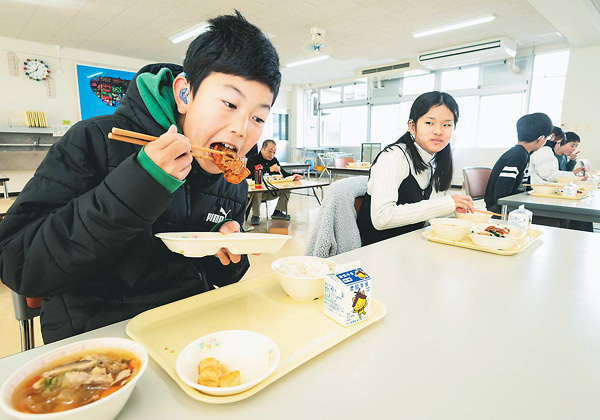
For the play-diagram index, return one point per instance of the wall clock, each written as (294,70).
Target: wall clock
(36,69)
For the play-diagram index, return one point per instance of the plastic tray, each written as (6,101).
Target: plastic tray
(300,329)
(522,244)
(577,197)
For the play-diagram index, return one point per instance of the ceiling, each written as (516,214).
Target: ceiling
(361,33)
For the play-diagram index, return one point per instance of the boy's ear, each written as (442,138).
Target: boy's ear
(182,94)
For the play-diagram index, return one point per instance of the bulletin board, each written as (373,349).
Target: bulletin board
(100,90)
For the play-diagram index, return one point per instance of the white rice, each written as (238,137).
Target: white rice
(304,268)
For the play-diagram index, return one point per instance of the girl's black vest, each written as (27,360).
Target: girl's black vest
(409,192)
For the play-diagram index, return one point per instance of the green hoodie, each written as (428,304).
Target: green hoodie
(156,91)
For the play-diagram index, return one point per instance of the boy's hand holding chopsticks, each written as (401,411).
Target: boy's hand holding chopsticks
(171,153)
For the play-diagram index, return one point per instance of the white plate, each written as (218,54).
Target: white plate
(200,244)
(494,242)
(255,355)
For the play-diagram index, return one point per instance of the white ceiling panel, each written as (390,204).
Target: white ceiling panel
(359,32)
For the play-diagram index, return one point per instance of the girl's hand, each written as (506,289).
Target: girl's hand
(171,153)
(464,202)
(580,169)
(224,255)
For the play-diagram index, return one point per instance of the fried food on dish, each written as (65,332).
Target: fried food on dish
(213,373)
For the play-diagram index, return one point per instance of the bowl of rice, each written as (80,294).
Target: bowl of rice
(303,277)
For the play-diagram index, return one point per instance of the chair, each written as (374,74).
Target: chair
(25,310)
(476,179)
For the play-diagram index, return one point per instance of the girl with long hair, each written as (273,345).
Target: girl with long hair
(405,172)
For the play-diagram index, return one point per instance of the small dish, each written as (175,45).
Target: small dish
(256,356)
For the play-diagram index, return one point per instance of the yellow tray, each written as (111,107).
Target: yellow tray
(577,197)
(300,329)
(522,244)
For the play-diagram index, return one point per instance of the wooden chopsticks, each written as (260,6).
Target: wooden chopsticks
(142,139)
(487,212)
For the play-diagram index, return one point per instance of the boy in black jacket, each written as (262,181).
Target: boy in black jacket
(270,165)
(509,171)
(81,233)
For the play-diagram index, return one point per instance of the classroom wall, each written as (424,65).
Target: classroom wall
(22,93)
(581,103)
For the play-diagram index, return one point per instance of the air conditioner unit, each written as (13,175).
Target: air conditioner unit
(475,52)
(393,69)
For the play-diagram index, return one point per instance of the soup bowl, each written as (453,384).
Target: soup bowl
(450,229)
(545,189)
(473,217)
(303,277)
(107,407)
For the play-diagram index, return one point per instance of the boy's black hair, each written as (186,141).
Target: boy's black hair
(442,176)
(531,126)
(571,136)
(559,134)
(232,45)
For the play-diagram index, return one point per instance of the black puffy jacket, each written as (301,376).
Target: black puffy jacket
(81,233)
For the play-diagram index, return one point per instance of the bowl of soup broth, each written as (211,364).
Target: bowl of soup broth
(89,379)
(450,229)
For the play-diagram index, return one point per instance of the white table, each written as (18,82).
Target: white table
(468,335)
(584,210)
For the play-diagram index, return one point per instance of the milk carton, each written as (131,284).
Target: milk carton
(520,218)
(570,190)
(348,296)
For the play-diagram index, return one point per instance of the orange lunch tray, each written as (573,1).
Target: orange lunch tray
(258,305)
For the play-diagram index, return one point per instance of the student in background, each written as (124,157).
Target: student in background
(270,165)
(546,162)
(565,162)
(509,171)
(404,173)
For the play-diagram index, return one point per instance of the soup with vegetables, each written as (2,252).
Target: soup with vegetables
(75,380)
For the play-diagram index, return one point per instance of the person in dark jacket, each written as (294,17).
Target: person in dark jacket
(81,233)
(270,165)
(512,167)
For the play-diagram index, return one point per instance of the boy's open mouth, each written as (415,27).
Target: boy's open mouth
(221,146)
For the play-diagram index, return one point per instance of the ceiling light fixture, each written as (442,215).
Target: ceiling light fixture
(453,26)
(310,60)
(189,32)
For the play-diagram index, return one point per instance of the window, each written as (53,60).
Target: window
(331,95)
(416,85)
(460,79)
(280,126)
(465,133)
(385,123)
(498,115)
(344,126)
(548,84)
(355,92)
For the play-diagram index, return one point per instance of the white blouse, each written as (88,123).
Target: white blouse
(386,176)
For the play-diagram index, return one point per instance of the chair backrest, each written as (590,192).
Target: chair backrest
(26,308)
(476,179)
(342,162)
(586,164)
